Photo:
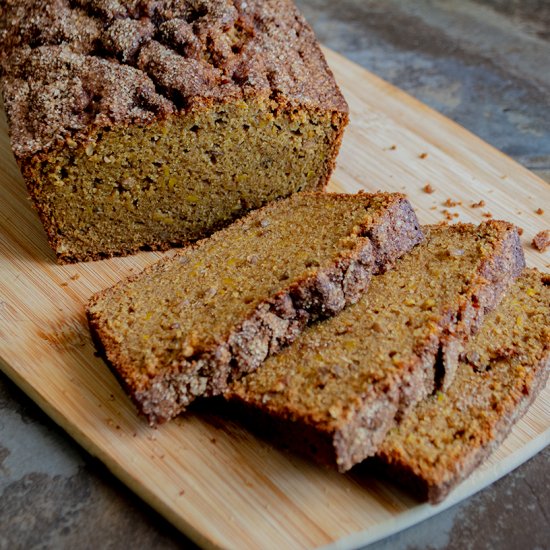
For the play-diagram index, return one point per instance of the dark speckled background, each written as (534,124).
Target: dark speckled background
(485,64)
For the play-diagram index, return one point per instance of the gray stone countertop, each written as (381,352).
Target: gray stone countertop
(486,65)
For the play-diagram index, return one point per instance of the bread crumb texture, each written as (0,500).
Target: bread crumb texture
(541,241)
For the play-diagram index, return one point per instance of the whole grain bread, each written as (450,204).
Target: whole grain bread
(188,325)
(151,123)
(442,440)
(337,390)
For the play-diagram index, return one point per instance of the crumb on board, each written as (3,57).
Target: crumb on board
(433,207)
(428,189)
(541,241)
(450,203)
(487,215)
(520,231)
(64,284)
(449,215)
(75,277)
(539,211)
(391,148)
(479,204)
(422,155)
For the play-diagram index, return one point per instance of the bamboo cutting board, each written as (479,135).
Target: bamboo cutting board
(214,480)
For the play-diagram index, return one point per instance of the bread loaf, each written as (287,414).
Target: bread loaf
(151,123)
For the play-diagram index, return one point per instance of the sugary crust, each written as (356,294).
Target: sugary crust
(506,401)
(275,322)
(70,68)
(348,440)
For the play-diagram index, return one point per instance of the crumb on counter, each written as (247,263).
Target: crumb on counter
(449,215)
(423,155)
(428,189)
(487,215)
(541,241)
(520,231)
(450,203)
(479,204)
(539,211)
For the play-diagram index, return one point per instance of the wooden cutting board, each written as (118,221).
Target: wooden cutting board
(214,480)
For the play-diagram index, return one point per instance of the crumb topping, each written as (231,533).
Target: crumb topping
(69,66)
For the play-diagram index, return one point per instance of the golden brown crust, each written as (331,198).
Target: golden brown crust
(501,372)
(392,229)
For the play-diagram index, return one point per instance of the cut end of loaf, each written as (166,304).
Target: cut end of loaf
(177,180)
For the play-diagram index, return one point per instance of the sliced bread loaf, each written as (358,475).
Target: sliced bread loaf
(505,365)
(338,389)
(188,325)
(152,123)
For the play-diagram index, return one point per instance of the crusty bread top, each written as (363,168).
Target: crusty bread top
(70,67)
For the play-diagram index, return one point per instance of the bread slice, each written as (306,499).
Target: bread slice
(189,324)
(338,389)
(152,123)
(505,365)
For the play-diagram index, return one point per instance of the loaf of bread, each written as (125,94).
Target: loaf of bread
(337,390)
(188,325)
(151,123)
(445,437)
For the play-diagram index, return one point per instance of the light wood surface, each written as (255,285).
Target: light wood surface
(214,480)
